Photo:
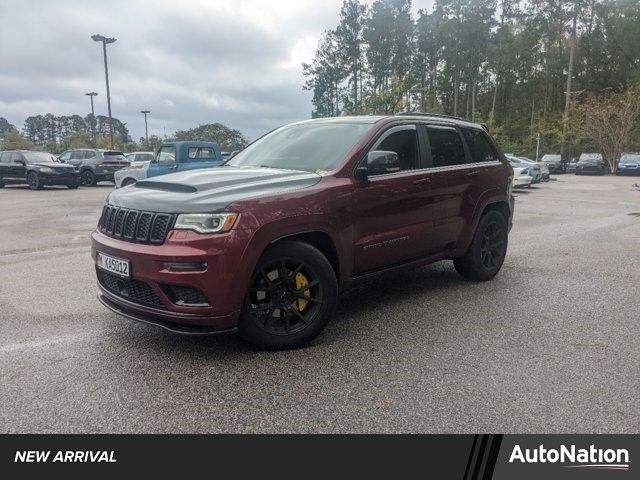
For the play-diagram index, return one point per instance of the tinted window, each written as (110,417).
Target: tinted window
(167,154)
(65,156)
(405,143)
(4,157)
(89,154)
(446,146)
(201,152)
(144,157)
(479,147)
(77,155)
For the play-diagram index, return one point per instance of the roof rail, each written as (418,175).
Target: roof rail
(438,115)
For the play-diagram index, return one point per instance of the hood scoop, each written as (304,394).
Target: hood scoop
(166,187)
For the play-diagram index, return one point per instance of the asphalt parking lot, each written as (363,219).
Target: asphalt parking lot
(551,345)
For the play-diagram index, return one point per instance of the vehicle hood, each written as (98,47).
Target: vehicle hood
(590,163)
(209,190)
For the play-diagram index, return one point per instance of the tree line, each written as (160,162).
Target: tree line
(503,62)
(55,134)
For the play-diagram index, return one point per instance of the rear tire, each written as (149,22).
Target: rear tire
(34,181)
(484,257)
(88,179)
(275,289)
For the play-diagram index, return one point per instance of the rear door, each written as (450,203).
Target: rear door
(199,157)
(451,184)
(76,157)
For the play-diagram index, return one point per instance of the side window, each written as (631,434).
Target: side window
(446,146)
(4,157)
(77,155)
(65,156)
(17,157)
(201,153)
(167,154)
(89,154)
(479,146)
(404,141)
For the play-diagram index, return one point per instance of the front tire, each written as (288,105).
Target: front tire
(127,181)
(291,298)
(34,182)
(88,179)
(485,256)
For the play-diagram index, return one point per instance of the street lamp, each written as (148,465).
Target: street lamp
(146,132)
(93,115)
(105,40)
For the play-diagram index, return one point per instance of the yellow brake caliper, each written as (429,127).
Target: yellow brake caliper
(301,281)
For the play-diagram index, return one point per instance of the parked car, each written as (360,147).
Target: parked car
(629,164)
(173,157)
(521,177)
(36,169)
(571,166)
(139,157)
(530,168)
(553,162)
(263,244)
(95,165)
(131,174)
(590,163)
(544,170)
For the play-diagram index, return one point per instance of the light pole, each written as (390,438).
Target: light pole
(105,40)
(93,115)
(146,132)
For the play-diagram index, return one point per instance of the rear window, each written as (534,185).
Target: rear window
(198,153)
(479,146)
(551,158)
(446,146)
(114,155)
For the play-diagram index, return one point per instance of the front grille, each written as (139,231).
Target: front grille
(185,296)
(133,290)
(135,225)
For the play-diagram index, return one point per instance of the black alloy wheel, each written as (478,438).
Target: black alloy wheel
(292,293)
(284,297)
(87,178)
(33,180)
(485,256)
(491,246)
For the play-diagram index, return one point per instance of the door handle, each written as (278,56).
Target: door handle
(473,174)
(422,181)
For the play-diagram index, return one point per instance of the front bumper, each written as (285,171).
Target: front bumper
(71,178)
(628,170)
(223,281)
(522,181)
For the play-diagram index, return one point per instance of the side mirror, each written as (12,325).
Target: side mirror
(378,162)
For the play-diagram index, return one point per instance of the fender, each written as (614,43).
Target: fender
(495,195)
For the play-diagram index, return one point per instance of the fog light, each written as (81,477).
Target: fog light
(186,266)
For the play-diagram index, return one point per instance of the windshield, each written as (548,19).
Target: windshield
(304,146)
(39,157)
(630,158)
(551,158)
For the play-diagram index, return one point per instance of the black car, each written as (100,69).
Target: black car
(629,164)
(554,163)
(94,164)
(590,163)
(36,169)
(571,166)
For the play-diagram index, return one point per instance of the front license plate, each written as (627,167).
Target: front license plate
(117,266)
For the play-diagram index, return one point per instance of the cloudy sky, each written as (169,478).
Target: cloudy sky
(237,62)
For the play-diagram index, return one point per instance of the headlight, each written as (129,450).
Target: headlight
(45,170)
(206,222)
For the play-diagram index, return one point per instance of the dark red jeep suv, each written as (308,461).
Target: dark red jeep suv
(263,244)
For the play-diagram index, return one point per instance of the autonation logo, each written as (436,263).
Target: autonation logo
(592,457)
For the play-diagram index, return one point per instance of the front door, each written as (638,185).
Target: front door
(165,162)
(390,209)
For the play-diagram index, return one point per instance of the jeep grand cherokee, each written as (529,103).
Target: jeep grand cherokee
(263,244)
